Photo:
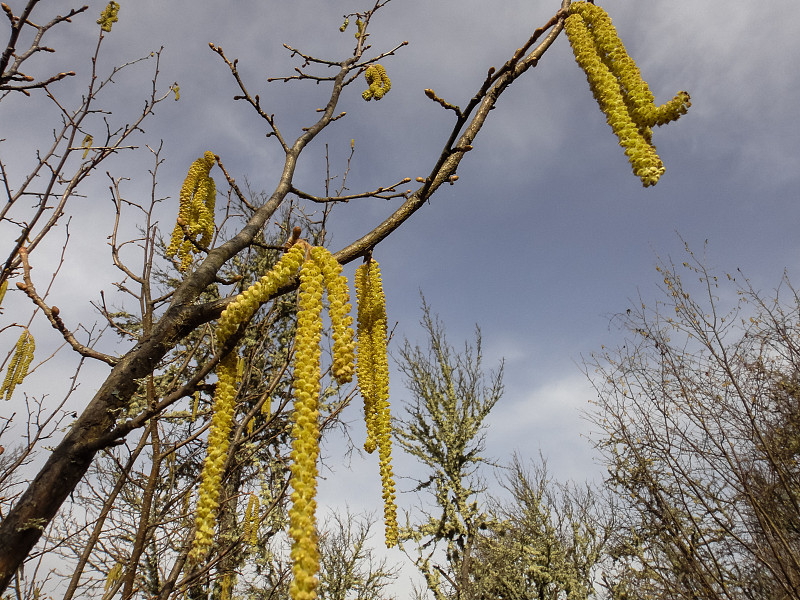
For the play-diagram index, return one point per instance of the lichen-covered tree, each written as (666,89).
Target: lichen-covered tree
(548,540)
(545,541)
(444,429)
(197,330)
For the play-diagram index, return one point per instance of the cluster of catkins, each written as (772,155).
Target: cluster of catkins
(196,212)
(619,89)
(378,81)
(319,274)
(109,16)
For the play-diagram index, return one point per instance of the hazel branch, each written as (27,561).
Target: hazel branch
(384,54)
(232,183)
(380,192)
(103,309)
(432,95)
(12,72)
(461,137)
(53,314)
(254,101)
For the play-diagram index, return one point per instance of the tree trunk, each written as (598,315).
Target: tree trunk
(68,463)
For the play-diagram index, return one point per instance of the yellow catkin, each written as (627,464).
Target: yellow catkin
(109,16)
(305,431)
(319,273)
(373,382)
(339,311)
(378,82)
(218,442)
(87,143)
(113,576)
(18,367)
(251,520)
(195,223)
(226,587)
(3,288)
(195,404)
(364,362)
(240,310)
(637,96)
(619,89)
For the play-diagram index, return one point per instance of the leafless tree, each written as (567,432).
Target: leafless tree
(697,419)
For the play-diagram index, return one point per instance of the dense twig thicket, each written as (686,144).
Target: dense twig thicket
(698,425)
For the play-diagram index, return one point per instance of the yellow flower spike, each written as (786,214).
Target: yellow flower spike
(639,98)
(386,83)
(3,288)
(109,16)
(378,81)
(365,358)
(195,403)
(619,89)
(218,442)
(605,88)
(255,520)
(245,304)
(196,211)
(87,143)
(305,431)
(20,361)
(318,273)
(339,311)
(225,587)
(373,382)
(113,576)
(251,519)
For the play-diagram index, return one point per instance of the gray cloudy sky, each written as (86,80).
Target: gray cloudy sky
(546,234)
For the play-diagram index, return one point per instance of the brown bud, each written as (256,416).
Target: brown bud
(421,179)
(21,285)
(55,310)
